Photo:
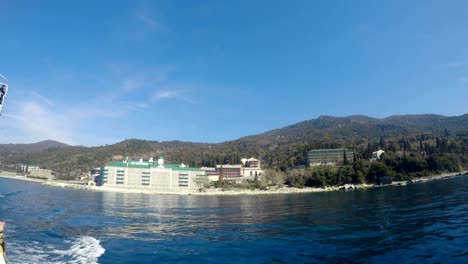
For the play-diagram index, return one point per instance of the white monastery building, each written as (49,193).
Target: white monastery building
(150,175)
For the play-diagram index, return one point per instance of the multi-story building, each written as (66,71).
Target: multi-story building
(25,168)
(41,173)
(229,171)
(332,157)
(238,172)
(211,173)
(251,163)
(251,168)
(151,175)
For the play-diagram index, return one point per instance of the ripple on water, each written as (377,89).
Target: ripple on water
(418,223)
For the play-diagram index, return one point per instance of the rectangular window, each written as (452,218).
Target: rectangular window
(145,178)
(120,176)
(119,180)
(183,180)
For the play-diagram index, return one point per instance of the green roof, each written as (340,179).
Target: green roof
(147,165)
(25,164)
(337,149)
(128,164)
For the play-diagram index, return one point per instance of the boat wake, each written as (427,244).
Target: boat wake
(81,250)
(3,195)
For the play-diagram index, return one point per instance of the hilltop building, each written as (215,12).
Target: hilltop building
(236,172)
(376,154)
(251,167)
(332,157)
(152,175)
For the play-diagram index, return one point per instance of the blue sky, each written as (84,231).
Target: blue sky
(98,72)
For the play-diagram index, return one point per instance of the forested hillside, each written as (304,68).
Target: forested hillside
(428,139)
(14,149)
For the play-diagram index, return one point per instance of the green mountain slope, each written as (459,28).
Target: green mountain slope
(281,148)
(14,149)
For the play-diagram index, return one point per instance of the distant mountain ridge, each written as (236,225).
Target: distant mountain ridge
(285,145)
(326,128)
(13,149)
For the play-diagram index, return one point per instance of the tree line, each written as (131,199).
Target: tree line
(405,158)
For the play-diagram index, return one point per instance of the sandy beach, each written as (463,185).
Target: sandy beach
(219,191)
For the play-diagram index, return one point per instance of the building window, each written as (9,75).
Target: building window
(183,180)
(104,175)
(119,179)
(145,178)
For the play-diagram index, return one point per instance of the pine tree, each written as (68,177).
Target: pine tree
(220,177)
(382,143)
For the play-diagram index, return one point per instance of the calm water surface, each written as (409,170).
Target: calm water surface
(418,223)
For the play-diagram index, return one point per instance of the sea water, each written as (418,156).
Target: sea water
(417,223)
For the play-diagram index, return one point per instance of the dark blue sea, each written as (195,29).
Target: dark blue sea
(417,223)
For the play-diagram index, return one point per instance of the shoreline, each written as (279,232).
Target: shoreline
(220,192)
(12,175)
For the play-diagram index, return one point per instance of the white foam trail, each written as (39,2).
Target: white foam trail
(3,77)
(83,250)
(29,255)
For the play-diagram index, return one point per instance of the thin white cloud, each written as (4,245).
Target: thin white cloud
(116,91)
(32,116)
(165,94)
(93,112)
(149,21)
(117,68)
(132,81)
(180,92)
(137,106)
(131,84)
(452,65)
(43,98)
(35,121)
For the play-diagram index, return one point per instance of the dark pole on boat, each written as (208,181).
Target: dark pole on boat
(3,92)
(2,243)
